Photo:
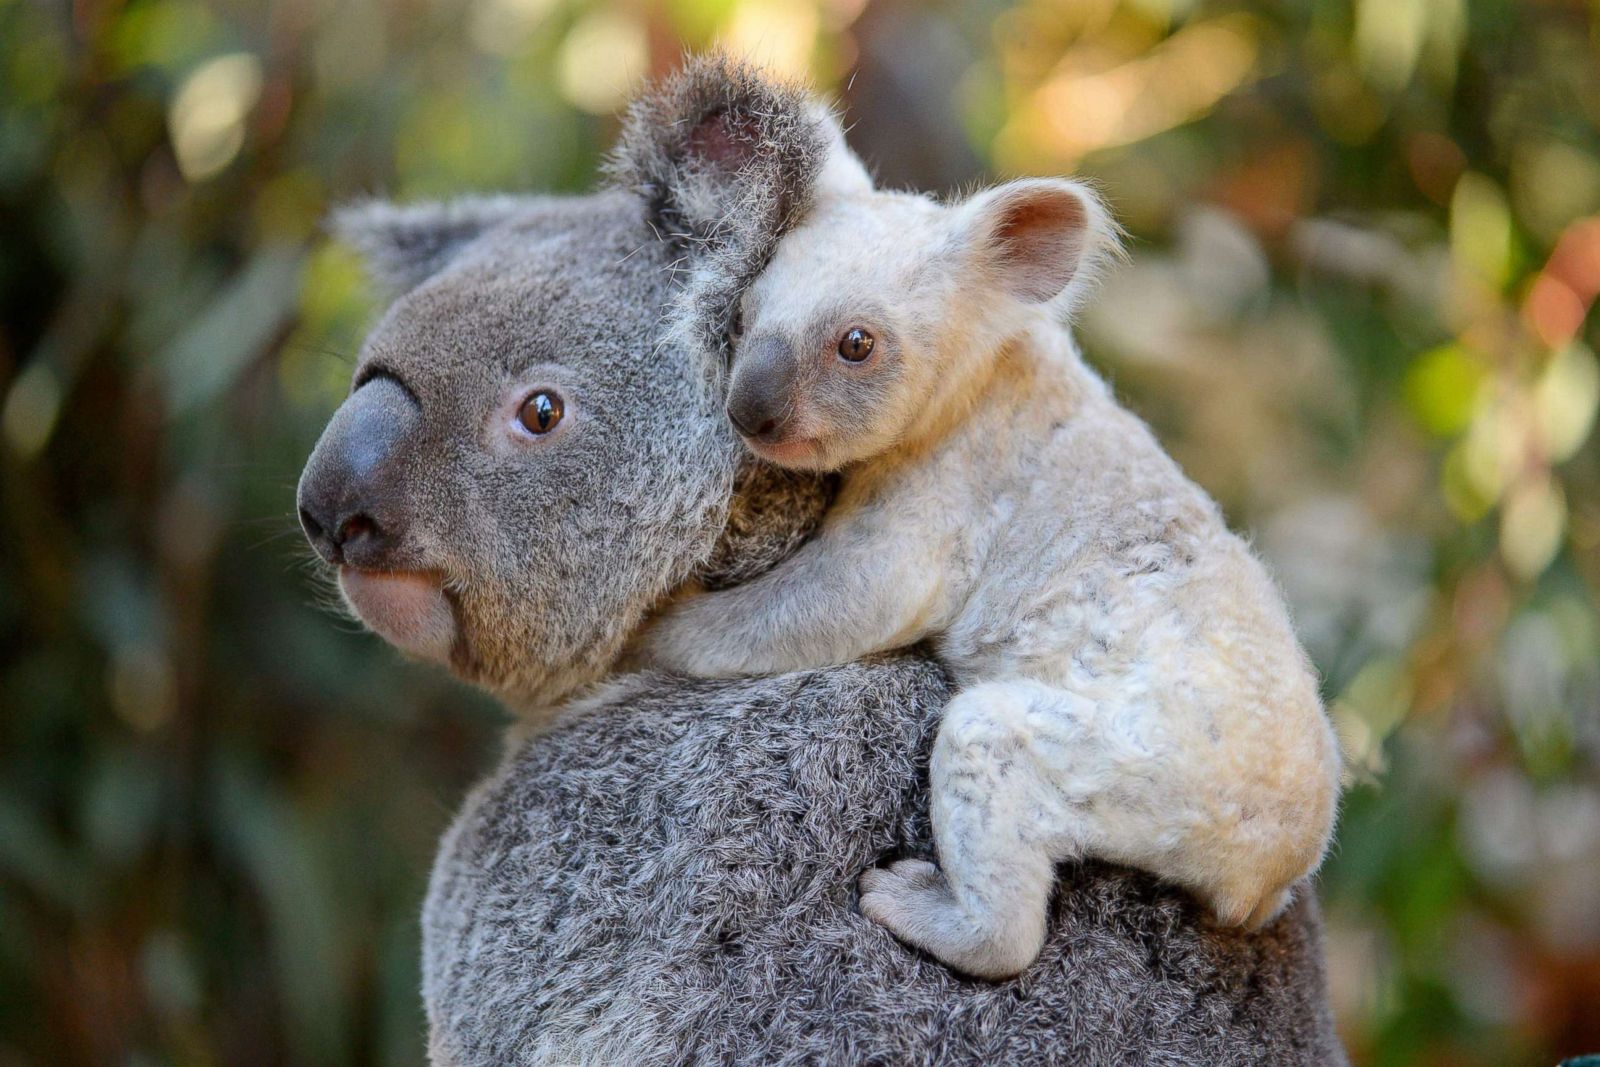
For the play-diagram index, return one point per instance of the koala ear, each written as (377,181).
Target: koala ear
(720,146)
(404,245)
(1040,239)
(843,173)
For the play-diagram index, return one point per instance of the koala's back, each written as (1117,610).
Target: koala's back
(668,878)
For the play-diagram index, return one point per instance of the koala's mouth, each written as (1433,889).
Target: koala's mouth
(406,608)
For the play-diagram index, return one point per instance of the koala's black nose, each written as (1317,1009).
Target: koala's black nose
(350,538)
(761,394)
(353,498)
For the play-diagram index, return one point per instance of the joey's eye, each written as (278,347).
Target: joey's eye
(540,412)
(736,324)
(855,345)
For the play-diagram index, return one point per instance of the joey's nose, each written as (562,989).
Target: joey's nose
(750,419)
(760,395)
(353,497)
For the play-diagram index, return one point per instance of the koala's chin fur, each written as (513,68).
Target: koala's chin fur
(664,874)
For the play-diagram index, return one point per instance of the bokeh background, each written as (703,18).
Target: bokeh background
(1365,252)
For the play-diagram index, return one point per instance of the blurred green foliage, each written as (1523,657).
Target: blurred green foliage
(1366,250)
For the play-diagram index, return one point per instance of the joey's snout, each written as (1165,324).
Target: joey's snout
(761,401)
(352,496)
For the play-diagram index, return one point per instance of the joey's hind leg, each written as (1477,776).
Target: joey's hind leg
(982,911)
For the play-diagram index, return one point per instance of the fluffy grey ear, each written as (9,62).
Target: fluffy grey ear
(1040,239)
(404,245)
(719,145)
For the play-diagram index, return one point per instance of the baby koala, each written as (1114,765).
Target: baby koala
(1130,686)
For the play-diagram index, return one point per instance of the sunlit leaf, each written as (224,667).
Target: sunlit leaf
(1442,388)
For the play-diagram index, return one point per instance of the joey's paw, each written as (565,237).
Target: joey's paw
(909,897)
(917,874)
(634,657)
(1270,908)
(913,901)
(1253,910)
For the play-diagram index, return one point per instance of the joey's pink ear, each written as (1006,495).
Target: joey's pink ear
(1040,239)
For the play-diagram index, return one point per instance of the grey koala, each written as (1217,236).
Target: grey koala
(662,872)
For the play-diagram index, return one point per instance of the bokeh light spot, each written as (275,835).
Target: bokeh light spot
(207,116)
(604,56)
(31,408)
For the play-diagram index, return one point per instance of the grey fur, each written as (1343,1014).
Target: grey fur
(771,514)
(404,245)
(713,120)
(667,877)
(664,875)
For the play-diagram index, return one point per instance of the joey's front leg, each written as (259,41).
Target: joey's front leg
(837,599)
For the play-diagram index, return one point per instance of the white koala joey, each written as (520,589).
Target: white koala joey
(1130,685)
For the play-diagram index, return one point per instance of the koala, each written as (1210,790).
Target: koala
(660,870)
(1130,686)
(465,414)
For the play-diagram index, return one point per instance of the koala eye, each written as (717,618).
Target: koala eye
(855,345)
(541,412)
(735,324)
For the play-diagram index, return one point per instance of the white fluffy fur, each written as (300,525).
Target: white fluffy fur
(1130,684)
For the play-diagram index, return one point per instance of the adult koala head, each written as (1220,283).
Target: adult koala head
(519,472)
